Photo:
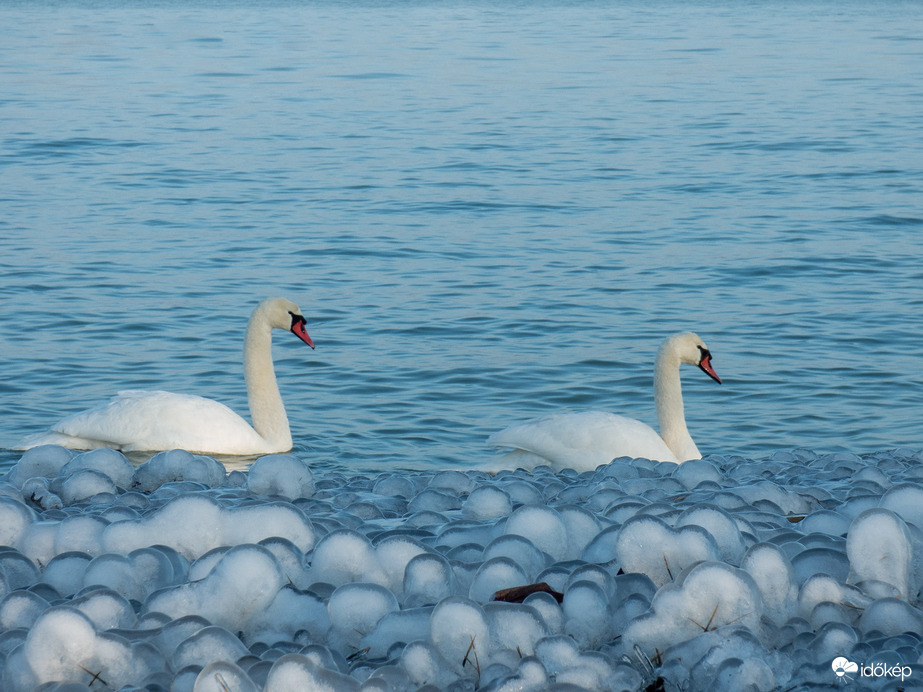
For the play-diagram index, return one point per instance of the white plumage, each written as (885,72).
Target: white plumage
(585,440)
(136,420)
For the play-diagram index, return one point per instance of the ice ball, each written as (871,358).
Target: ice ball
(280,474)
(460,632)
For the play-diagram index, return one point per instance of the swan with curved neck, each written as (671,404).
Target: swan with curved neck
(589,439)
(136,420)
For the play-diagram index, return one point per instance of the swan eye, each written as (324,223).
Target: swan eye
(296,319)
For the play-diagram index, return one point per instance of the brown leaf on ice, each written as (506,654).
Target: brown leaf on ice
(518,594)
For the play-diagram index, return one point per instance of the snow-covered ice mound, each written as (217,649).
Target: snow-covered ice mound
(794,572)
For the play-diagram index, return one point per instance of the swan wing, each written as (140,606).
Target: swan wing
(136,420)
(583,440)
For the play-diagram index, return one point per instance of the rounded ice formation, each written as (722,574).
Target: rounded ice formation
(356,608)
(428,578)
(881,547)
(459,631)
(650,546)
(248,576)
(44,461)
(344,556)
(487,502)
(109,462)
(176,575)
(706,597)
(177,465)
(280,474)
(496,574)
(543,526)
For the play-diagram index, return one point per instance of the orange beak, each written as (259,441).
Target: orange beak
(705,364)
(300,330)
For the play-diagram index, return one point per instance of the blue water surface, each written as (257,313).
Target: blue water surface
(487,211)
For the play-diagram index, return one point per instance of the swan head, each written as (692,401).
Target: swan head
(689,348)
(284,314)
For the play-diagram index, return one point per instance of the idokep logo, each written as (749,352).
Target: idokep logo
(844,668)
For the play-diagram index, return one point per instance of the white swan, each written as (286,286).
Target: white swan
(589,439)
(137,420)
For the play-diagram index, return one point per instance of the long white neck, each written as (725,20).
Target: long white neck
(266,408)
(668,395)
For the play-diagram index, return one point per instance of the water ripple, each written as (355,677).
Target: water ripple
(485,215)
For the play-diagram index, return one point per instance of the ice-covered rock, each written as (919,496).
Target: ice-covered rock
(649,546)
(20,609)
(811,561)
(891,616)
(543,527)
(178,465)
(208,646)
(706,597)
(356,608)
(906,501)
(345,556)
(826,521)
(64,646)
(107,609)
(881,548)
(720,526)
(428,578)
(494,575)
(223,676)
(393,553)
(241,585)
(587,616)
(704,576)
(45,461)
(461,634)
(397,628)
(15,519)
(774,576)
(487,502)
(822,588)
(295,673)
(280,474)
(694,472)
(65,572)
(515,627)
(109,462)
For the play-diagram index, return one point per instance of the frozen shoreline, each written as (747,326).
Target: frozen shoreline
(716,574)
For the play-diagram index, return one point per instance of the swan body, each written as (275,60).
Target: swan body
(585,440)
(136,420)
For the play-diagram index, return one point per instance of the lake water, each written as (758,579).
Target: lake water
(486,211)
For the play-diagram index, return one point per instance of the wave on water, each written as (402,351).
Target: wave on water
(725,573)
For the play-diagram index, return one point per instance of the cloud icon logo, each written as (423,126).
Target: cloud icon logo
(841,666)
